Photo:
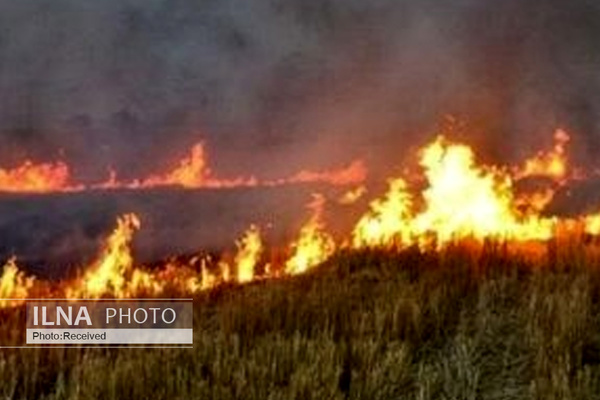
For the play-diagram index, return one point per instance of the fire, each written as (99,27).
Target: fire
(354,173)
(462,200)
(592,224)
(249,251)
(14,285)
(388,220)
(352,195)
(551,164)
(35,178)
(192,171)
(314,245)
(113,273)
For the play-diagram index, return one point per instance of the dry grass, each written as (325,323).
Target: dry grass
(460,324)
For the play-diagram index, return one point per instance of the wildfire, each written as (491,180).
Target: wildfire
(35,178)
(314,245)
(464,199)
(388,220)
(14,285)
(113,273)
(249,251)
(460,199)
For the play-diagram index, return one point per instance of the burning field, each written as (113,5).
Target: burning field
(449,197)
(334,199)
(456,280)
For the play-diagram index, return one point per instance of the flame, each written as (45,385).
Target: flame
(113,273)
(552,164)
(36,178)
(592,224)
(462,200)
(249,251)
(388,220)
(14,285)
(352,195)
(314,245)
(192,171)
(354,173)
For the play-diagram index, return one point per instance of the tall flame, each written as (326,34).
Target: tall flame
(462,200)
(14,285)
(249,251)
(314,245)
(113,273)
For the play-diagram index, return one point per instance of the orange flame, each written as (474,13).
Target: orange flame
(114,273)
(192,171)
(314,245)
(352,195)
(35,178)
(388,220)
(14,285)
(355,172)
(249,251)
(551,164)
(462,200)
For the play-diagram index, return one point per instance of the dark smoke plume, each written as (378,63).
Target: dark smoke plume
(273,86)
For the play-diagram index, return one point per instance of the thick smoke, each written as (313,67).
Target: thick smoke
(274,85)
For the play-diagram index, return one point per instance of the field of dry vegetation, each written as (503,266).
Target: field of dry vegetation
(461,323)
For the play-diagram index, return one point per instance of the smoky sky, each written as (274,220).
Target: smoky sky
(275,85)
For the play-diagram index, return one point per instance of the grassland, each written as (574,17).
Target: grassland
(462,323)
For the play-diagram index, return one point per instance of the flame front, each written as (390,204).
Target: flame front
(460,199)
(35,178)
(249,252)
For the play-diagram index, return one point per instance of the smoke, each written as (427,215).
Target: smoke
(273,85)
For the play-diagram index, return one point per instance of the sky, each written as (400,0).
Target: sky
(273,86)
